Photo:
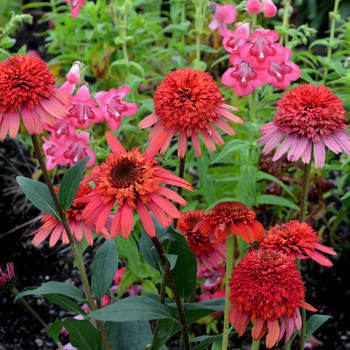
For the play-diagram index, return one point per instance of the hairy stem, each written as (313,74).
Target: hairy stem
(285,23)
(177,297)
(179,188)
(72,240)
(15,292)
(331,38)
(230,248)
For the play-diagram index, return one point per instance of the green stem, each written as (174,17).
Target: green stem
(288,344)
(255,345)
(329,54)
(15,292)
(303,328)
(252,120)
(230,248)
(177,297)
(183,19)
(179,189)
(201,7)
(53,7)
(72,240)
(285,23)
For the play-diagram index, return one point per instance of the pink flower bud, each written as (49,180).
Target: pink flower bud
(254,6)
(73,75)
(269,8)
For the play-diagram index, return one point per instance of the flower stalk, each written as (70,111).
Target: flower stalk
(15,292)
(179,188)
(253,99)
(201,7)
(72,240)
(285,23)
(182,318)
(230,248)
(255,344)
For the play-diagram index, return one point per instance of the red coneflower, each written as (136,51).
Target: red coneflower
(188,102)
(266,287)
(199,242)
(8,279)
(131,180)
(234,216)
(293,238)
(27,90)
(311,117)
(77,224)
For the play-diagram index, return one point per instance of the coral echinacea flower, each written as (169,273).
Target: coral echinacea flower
(131,181)
(311,117)
(27,90)
(189,102)
(234,216)
(295,238)
(266,287)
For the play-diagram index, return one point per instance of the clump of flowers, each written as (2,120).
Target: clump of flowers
(8,279)
(295,238)
(77,224)
(131,181)
(189,102)
(199,242)
(234,216)
(27,91)
(310,117)
(266,287)
(221,15)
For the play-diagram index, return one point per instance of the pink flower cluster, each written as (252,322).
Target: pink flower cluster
(267,6)
(66,145)
(261,60)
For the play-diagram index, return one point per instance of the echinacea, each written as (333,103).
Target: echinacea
(130,181)
(295,238)
(188,102)
(8,279)
(27,91)
(77,224)
(234,216)
(199,242)
(308,118)
(267,289)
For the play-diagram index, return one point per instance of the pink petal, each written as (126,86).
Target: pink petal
(157,129)
(267,128)
(223,125)
(208,140)
(55,235)
(31,122)
(148,121)
(14,120)
(116,225)
(114,143)
(127,221)
(145,218)
(155,145)
(165,205)
(306,156)
(196,145)
(182,145)
(168,138)
(342,140)
(273,334)
(331,144)
(103,215)
(132,109)
(325,249)
(76,229)
(88,235)
(166,192)
(53,107)
(319,154)
(287,142)
(231,117)
(158,213)
(289,328)
(299,149)
(273,142)
(83,94)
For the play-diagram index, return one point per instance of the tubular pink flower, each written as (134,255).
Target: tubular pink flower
(75,6)
(113,108)
(311,117)
(221,15)
(263,50)
(269,8)
(234,41)
(280,74)
(27,90)
(73,76)
(254,7)
(8,279)
(243,78)
(266,287)
(131,181)
(188,102)
(83,111)
(295,238)
(77,224)
(60,132)
(214,275)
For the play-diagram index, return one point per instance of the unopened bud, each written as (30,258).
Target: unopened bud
(73,75)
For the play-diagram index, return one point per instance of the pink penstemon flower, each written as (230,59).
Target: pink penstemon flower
(214,276)
(221,16)
(131,180)
(234,41)
(280,74)
(254,7)
(263,49)
(76,6)
(189,102)
(73,76)
(310,117)
(113,108)
(269,8)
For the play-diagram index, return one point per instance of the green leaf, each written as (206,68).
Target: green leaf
(55,330)
(172,260)
(104,268)
(65,289)
(276,200)
(39,195)
(248,173)
(133,335)
(70,183)
(135,308)
(314,322)
(307,77)
(185,270)
(206,340)
(229,148)
(65,303)
(82,334)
